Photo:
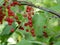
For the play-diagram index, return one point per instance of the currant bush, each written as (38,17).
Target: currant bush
(27,25)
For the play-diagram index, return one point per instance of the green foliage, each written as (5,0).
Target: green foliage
(40,19)
(24,42)
(1,2)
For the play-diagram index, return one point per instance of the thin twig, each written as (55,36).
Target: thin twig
(42,8)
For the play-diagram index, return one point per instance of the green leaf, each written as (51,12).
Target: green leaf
(57,43)
(24,42)
(57,7)
(20,16)
(1,2)
(6,31)
(39,20)
(49,3)
(21,8)
(15,9)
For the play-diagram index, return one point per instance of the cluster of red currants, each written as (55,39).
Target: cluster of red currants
(11,17)
(29,15)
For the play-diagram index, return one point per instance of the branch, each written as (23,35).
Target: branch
(58,36)
(42,8)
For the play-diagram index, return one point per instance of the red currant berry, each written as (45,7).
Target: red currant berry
(33,35)
(12,4)
(0,8)
(15,3)
(28,8)
(45,34)
(12,30)
(27,30)
(30,22)
(45,26)
(4,4)
(9,23)
(21,28)
(32,31)
(8,7)
(29,18)
(26,24)
(29,13)
(9,20)
(10,13)
(19,22)
(30,25)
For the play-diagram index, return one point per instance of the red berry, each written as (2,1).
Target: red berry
(9,20)
(8,7)
(45,27)
(29,13)
(21,28)
(9,23)
(27,30)
(4,4)
(45,34)
(28,8)
(30,22)
(19,22)
(32,31)
(30,25)
(10,13)
(12,30)
(0,8)
(29,18)
(14,3)
(26,24)
(33,35)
